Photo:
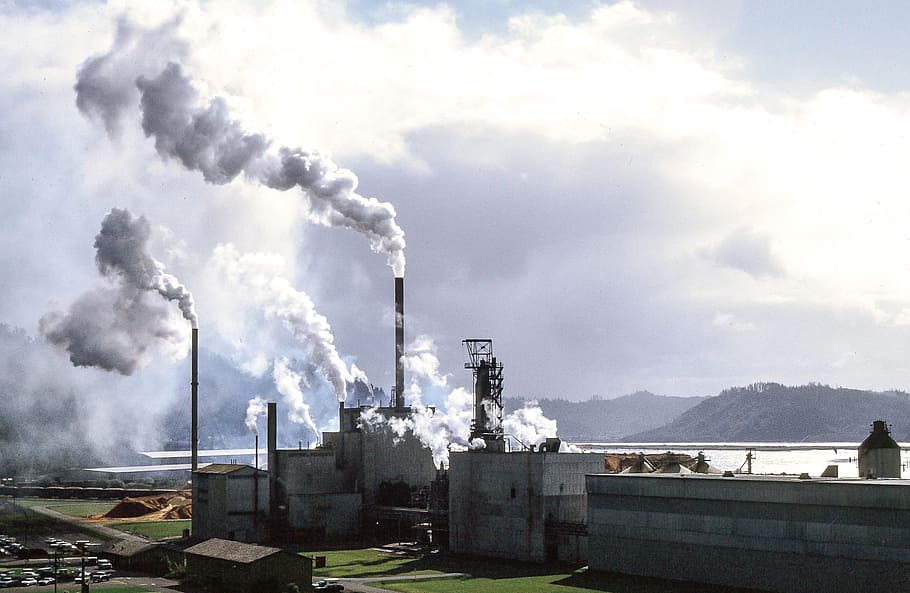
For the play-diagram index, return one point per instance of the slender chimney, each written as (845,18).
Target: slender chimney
(194,415)
(399,343)
(272,444)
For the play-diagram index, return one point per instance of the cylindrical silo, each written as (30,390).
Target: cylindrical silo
(879,456)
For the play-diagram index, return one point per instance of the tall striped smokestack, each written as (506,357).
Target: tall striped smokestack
(399,342)
(194,395)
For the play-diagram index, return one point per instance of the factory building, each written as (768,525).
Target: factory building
(331,491)
(525,505)
(230,502)
(769,532)
(237,567)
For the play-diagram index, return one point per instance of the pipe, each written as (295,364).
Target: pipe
(194,391)
(399,343)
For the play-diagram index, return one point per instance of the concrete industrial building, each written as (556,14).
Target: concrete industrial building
(769,532)
(237,567)
(230,502)
(331,491)
(528,506)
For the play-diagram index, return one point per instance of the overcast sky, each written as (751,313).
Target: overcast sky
(677,197)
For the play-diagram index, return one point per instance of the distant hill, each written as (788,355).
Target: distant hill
(774,412)
(609,419)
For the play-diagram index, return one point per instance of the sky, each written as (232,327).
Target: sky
(662,196)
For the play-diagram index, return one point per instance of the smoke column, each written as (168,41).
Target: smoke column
(447,429)
(205,138)
(294,308)
(122,249)
(255,408)
(288,384)
(113,327)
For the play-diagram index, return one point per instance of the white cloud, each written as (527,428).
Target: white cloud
(558,179)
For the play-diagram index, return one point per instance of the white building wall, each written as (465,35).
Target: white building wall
(776,534)
(500,503)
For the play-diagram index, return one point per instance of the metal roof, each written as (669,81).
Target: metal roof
(129,469)
(222,468)
(231,550)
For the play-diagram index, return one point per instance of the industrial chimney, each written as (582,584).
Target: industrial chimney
(399,343)
(194,404)
(272,455)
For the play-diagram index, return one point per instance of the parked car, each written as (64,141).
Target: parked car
(99,576)
(47,581)
(324,585)
(105,564)
(9,582)
(28,582)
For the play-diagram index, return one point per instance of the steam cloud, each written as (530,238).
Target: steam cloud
(205,138)
(288,384)
(255,408)
(447,430)
(112,328)
(295,309)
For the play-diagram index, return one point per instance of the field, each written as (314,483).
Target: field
(368,563)
(81,508)
(489,576)
(71,508)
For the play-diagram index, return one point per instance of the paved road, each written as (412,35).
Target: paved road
(105,532)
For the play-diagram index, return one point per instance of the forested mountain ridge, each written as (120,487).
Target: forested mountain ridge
(775,412)
(609,419)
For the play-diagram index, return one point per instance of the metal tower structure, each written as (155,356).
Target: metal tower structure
(487,423)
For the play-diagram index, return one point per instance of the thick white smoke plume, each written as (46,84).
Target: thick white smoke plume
(447,429)
(294,308)
(529,425)
(112,328)
(255,408)
(122,249)
(204,138)
(287,382)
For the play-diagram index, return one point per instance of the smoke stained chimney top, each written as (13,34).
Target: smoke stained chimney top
(399,343)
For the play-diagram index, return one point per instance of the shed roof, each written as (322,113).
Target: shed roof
(230,550)
(222,468)
(129,547)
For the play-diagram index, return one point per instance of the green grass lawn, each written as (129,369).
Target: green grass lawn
(155,529)
(490,576)
(579,581)
(71,507)
(82,508)
(368,563)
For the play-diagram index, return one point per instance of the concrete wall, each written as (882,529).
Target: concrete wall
(223,505)
(332,516)
(777,534)
(312,471)
(388,458)
(524,506)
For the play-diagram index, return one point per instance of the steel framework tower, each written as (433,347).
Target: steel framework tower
(487,423)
